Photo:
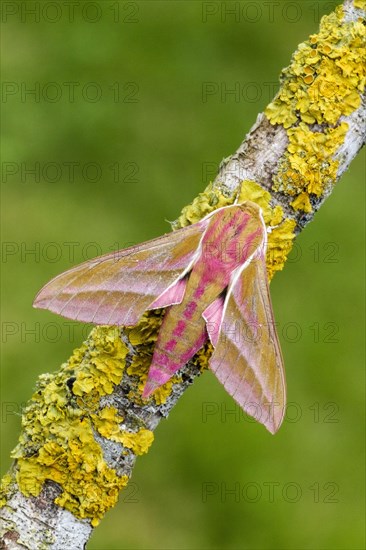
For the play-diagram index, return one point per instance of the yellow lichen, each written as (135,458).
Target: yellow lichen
(58,443)
(361,4)
(280,241)
(333,55)
(107,423)
(209,200)
(147,329)
(324,82)
(252,191)
(302,202)
(202,357)
(6,486)
(139,442)
(161,394)
(277,215)
(309,165)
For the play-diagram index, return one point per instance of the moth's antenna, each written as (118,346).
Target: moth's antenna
(271,228)
(236,201)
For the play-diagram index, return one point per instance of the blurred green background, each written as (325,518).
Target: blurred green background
(121,137)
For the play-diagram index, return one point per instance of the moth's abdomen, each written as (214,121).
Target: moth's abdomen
(182,334)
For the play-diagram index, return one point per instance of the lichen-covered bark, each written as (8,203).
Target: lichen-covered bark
(85,425)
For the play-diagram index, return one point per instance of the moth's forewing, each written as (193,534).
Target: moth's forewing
(116,289)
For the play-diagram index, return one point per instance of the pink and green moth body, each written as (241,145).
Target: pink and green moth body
(211,277)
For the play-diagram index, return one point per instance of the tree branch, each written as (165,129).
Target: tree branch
(86,424)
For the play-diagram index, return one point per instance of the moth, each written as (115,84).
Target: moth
(211,279)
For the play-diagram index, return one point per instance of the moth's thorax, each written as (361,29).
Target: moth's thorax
(234,234)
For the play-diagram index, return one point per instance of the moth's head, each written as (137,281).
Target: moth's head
(251,208)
